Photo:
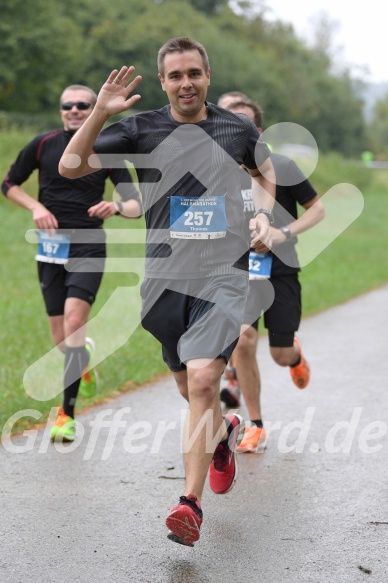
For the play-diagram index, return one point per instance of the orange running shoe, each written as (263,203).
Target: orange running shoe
(254,440)
(300,374)
(64,428)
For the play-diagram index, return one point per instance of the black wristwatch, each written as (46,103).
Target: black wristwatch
(119,206)
(265,212)
(286,231)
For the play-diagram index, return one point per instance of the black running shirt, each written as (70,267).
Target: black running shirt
(187,160)
(68,200)
(292,187)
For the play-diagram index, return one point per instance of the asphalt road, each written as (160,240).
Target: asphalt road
(313,507)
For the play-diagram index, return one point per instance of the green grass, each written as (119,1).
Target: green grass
(353,264)
(24,331)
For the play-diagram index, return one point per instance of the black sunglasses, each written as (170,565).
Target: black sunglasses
(81,105)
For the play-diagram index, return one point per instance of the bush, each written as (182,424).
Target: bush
(11,121)
(333,169)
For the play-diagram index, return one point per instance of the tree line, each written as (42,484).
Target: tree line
(47,44)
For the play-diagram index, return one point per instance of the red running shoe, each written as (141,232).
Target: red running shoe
(231,393)
(184,521)
(223,467)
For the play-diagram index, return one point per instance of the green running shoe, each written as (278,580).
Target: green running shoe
(89,380)
(64,428)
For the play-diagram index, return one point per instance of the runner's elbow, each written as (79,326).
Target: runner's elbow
(70,167)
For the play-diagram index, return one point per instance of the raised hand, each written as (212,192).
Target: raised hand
(113,97)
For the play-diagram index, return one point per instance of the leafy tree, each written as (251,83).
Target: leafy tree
(36,56)
(121,40)
(378,130)
(300,87)
(43,49)
(207,6)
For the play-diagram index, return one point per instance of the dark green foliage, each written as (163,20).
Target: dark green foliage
(378,131)
(47,45)
(207,6)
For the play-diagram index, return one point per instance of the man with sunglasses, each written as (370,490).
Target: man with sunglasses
(69,215)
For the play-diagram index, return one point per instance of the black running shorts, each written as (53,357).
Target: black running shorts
(280,299)
(79,278)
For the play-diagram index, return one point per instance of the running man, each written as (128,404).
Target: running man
(282,314)
(195,283)
(64,207)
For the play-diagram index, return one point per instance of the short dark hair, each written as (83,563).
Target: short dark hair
(237,94)
(181,45)
(257,110)
(93,94)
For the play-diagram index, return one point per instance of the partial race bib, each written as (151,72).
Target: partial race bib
(260,265)
(53,249)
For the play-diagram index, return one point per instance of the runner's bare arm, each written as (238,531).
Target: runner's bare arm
(112,99)
(42,217)
(263,195)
